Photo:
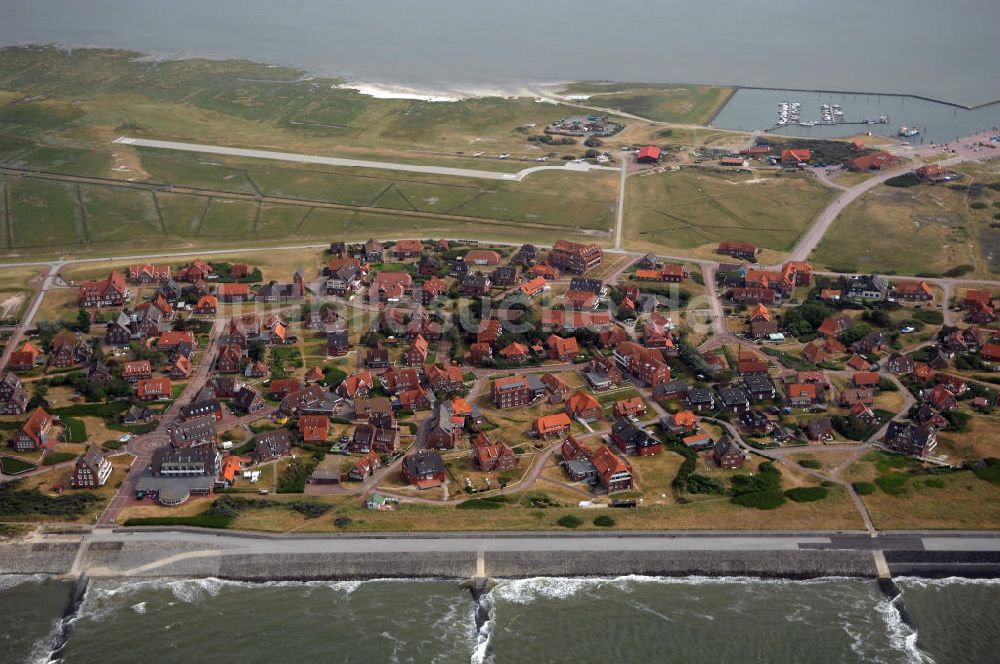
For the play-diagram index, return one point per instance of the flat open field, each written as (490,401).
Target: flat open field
(61,111)
(692,209)
(685,104)
(945,225)
(49,216)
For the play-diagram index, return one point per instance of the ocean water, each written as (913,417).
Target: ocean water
(752,110)
(627,619)
(938,49)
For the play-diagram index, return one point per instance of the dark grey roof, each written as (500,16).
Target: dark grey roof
(758,383)
(424,463)
(584,284)
(193,431)
(725,445)
(733,396)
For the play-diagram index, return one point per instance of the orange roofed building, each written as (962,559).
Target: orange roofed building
(547,426)
(613,472)
(584,407)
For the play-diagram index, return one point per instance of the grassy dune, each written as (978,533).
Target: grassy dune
(944,226)
(685,104)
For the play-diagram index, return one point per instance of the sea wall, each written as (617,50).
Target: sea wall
(141,559)
(37,557)
(227,560)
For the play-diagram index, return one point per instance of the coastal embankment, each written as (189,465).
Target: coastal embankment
(253,557)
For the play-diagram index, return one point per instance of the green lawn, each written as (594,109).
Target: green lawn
(45,214)
(13,466)
(694,208)
(119,215)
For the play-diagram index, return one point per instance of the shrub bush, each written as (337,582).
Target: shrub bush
(479,504)
(310,510)
(893,483)
(604,521)
(697,483)
(569,521)
(905,180)
(203,520)
(21,502)
(990,472)
(959,271)
(807,494)
(762,500)
(864,488)
(814,464)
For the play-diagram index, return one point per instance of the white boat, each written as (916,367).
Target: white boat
(908,131)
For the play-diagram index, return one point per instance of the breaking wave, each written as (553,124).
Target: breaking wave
(526,591)
(485,612)
(8,581)
(902,637)
(919,582)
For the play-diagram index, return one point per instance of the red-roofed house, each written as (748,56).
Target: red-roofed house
(407,248)
(24,359)
(552,425)
(314,428)
(649,154)
(795,157)
(153,389)
(914,291)
(482,257)
(110,292)
(207,305)
(493,457)
(583,406)
(865,379)
(560,348)
(633,407)
(147,274)
(876,161)
(613,472)
(233,292)
(34,433)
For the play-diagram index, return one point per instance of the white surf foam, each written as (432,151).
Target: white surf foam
(919,582)
(8,581)
(902,637)
(525,591)
(385,91)
(484,635)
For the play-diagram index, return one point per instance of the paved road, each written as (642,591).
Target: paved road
(577,167)
(620,212)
